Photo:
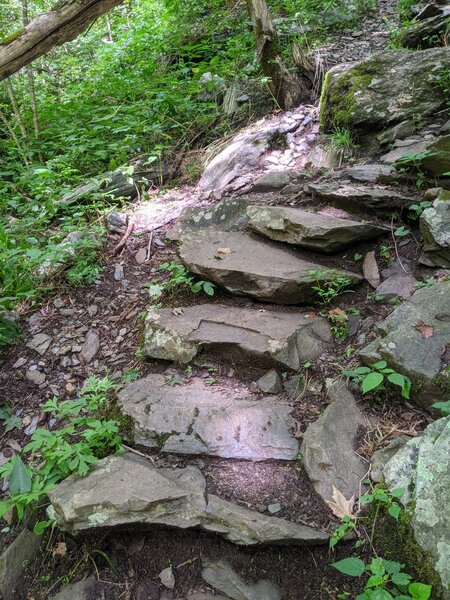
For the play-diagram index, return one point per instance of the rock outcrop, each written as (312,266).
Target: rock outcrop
(422,469)
(244,335)
(414,341)
(128,491)
(246,265)
(386,89)
(315,231)
(200,419)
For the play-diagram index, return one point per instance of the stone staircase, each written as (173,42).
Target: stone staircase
(262,252)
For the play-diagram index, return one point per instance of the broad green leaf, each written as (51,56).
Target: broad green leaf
(20,478)
(401,578)
(394,510)
(350,566)
(419,591)
(397,492)
(397,379)
(381,364)
(381,595)
(41,526)
(208,288)
(374,581)
(371,382)
(392,566)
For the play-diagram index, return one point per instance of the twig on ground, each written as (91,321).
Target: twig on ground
(149,247)
(126,235)
(141,454)
(395,246)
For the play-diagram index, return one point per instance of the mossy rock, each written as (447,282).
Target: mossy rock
(386,89)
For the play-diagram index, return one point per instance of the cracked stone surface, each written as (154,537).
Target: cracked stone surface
(422,469)
(128,491)
(200,419)
(246,265)
(266,337)
(435,229)
(328,446)
(315,231)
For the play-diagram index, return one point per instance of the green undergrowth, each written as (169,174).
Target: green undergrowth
(394,540)
(89,429)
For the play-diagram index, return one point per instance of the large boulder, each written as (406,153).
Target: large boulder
(414,341)
(130,492)
(246,265)
(329,445)
(201,419)
(388,88)
(315,231)
(435,230)
(422,469)
(243,335)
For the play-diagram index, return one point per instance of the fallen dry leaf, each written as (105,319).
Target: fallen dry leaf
(370,269)
(61,550)
(427,331)
(223,250)
(337,312)
(339,505)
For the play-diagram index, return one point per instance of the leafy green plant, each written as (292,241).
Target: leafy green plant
(86,435)
(347,526)
(329,284)
(9,331)
(401,231)
(427,283)
(386,579)
(415,210)
(443,407)
(385,497)
(343,141)
(375,375)
(179,277)
(386,254)
(10,421)
(339,324)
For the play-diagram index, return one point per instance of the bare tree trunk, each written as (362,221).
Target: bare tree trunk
(16,111)
(288,87)
(30,79)
(64,23)
(14,137)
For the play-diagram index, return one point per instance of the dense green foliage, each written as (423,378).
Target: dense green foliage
(146,80)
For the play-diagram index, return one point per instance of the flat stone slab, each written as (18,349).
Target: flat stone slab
(13,561)
(328,446)
(316,231)
(357,196)
(264,337)
(201,419)
(129,491)
(414,341)
(422,468)
(246,265)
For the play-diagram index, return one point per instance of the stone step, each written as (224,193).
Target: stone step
(244,335)
(316,231)
(197,418)
(246,265)
(358,197)
(128,491)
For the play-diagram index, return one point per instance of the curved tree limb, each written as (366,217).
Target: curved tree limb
(64,23)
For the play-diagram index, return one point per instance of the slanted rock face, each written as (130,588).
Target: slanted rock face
(199,419)
(435,230)
(414,351)
(422,469)
(328,446)
(244,335)
(388,88)
(357,197)
(248,266)
(128,491)
(310,230)
(431,154)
